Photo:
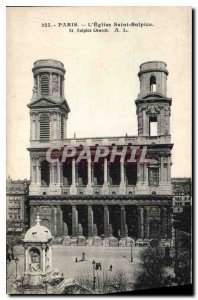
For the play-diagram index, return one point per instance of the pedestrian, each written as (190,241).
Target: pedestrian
(76,260)
(96,268)
(83,256)
(110,268)
(99,266)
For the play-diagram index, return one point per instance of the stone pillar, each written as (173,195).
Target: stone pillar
(59,220)
(121,171)
(58,173)
(74,221)
(161,169)
(90,221)
(73,172)
(26,259)
(169,169)
(164,230)
(92,173)
(61,173)
(53,221)
(146,222)
(138,171)
(106,221)
(38,177)
(140,215)
(89,171)
(145,174)
(89,189)
(122,188)
(43,258)
(73,189)
(105,188)
(123,222)
(105,170)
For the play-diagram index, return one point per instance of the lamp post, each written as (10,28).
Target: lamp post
(131,243)
(16,262)
(94,277)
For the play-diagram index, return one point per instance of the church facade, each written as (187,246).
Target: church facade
(101,201)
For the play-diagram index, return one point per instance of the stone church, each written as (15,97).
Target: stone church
(101,203)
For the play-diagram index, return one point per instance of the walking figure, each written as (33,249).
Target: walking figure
(110,268)
(76,260)
(99,266)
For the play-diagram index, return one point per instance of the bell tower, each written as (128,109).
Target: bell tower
(153,106)
(48,107)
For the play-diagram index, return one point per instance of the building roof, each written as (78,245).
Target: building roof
(38,233)
(181,186)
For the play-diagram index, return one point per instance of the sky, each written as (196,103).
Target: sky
(101,82)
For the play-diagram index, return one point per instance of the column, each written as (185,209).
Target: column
(146,222)
(169,169)
(61,173)
(58,173)
(53,221)
(140,215)
(164,222)
(26,265)
(106,221)
(43,258)
(38,177)
(73,189)
(92,173)
(123,221)
(138,172)
(141,172)
(73,171)
(121,171)
(89,171)
(105,171)
(74,221)
(145,174)
(59,220)
(161,169)
(90,221)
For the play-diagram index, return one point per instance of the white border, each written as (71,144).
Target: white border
(3,5)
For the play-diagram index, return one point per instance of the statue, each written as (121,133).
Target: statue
(35,260)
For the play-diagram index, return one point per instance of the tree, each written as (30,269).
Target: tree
(105,282)
(153,265)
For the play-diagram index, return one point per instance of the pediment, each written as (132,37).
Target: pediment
(46,102)
(42,102)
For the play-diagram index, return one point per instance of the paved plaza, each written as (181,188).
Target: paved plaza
(64,260)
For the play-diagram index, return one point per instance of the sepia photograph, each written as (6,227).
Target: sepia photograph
(99,150)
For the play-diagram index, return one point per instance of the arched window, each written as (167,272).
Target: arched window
(45,85)
(44,127)
(45,173)
(153,84)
